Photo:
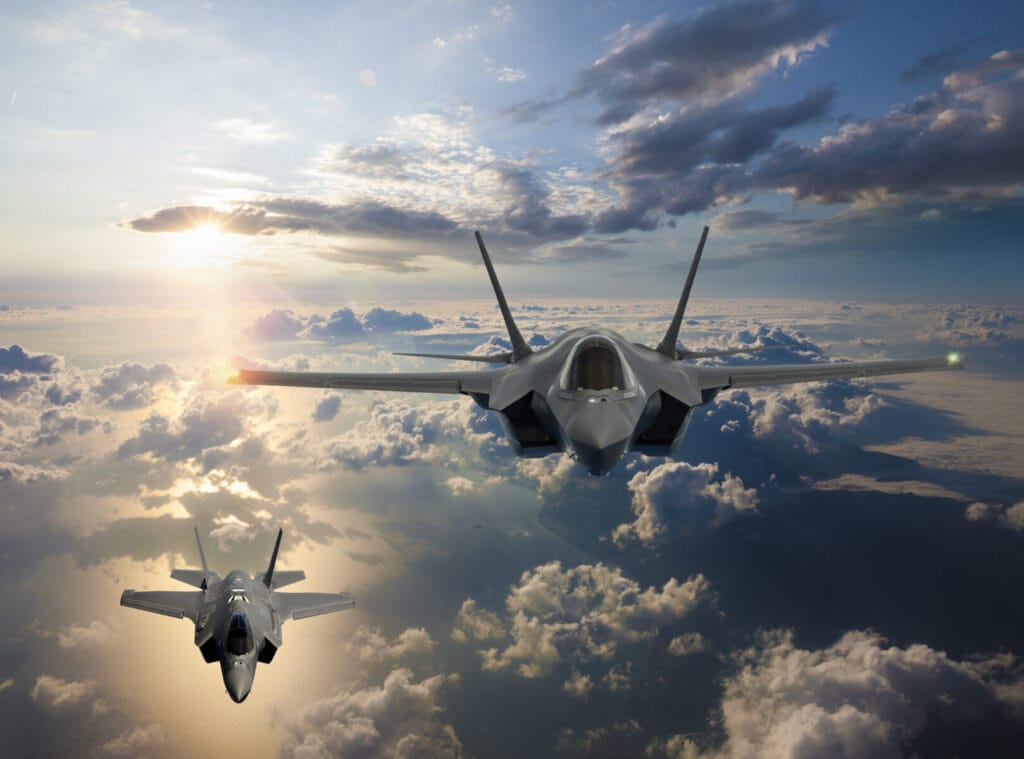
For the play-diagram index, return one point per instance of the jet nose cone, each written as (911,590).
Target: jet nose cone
(239,682)
(599,434)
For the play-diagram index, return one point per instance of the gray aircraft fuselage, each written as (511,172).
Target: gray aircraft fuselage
(596,396)
(237,619)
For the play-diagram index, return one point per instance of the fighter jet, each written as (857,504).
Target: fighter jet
(238,619)
(592,393)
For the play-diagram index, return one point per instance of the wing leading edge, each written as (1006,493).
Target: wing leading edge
(411,382)
(753,376)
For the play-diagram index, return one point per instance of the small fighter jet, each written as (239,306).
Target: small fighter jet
(238,619)
(592,393)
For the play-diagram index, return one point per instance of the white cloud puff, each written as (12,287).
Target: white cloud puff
(859,697)
(141,741)
(580,614)
(678,495)
(56,694)
(373,648)
(399,719)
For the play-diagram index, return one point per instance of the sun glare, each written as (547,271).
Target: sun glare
(197,247)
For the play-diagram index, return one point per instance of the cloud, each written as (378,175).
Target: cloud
(130,386)
(580,614)
(205,423)
(92,635)
(1010,517)
(30,474)
(342,325)
(681,497)
(387,320)
(938,63)
(279,324)
(686,644)
(17,359)
(373,648)
(55,694)
(230,531)
(326,407)
(474,623)
(717,53)
(461,485)
(142,741)
(399,718)
(857,697)
(956,142)
(970,325)
(5,684)
(248,131)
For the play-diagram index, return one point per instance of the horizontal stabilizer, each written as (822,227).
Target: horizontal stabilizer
(494,358)
(727,352)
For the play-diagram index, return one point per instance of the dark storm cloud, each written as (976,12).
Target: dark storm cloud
(963,139)
(528,210)
(722,133)
(288,215)
(938,63)
(717,53)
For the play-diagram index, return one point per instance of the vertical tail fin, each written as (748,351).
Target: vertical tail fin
(668,343)
(519,346)
(202,558)
(268,578)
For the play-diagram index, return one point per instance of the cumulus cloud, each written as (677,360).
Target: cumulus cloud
(398,433)
(56,694)
(205,423)
(279,324)
(92,635)
(141,741)
(678,496)
(402,717)
(17,359)
(340,326)
(131,385)
(581,614)
(326,407)
(969,325)
(687,643)
(1010,517)
(230,531)
(474,623)
(30,474)
(388,320)
(372,647)
(857,697)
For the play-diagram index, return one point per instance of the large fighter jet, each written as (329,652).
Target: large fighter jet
(238,619)
(592,393)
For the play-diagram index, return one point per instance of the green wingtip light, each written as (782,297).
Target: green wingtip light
(953,358)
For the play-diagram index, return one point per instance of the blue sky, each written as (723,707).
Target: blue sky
(437,118)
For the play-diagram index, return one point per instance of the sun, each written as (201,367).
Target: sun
(198,246)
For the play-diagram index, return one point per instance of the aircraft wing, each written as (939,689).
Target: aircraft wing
(302,605)
(752,376)
(410,382)
(173,603)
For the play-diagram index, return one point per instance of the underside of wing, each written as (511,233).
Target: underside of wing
(170,602)
(753,376)
(302,605)
(410,382)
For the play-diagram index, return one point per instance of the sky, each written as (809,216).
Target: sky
(836,150)
(830,569)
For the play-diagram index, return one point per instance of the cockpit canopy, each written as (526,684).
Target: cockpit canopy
(239,638)
(596,366)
